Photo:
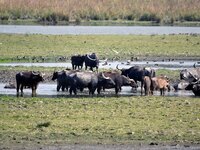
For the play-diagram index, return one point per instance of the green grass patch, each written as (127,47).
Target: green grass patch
(33,48)
(99,120)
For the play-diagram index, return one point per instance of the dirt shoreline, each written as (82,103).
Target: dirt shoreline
(77,146)
(8,76)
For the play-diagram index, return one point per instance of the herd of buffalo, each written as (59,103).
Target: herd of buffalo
(77,79)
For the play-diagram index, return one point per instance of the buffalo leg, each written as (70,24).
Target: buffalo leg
(33,91)
(18,86)
(162,92)
(21,88)
(58,87)
(142,87)
(116,90)
(98,90)
(72,89)
(63,88)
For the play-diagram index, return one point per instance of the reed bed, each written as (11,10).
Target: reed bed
(166,11)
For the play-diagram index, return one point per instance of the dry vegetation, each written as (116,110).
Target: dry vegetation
(165,11)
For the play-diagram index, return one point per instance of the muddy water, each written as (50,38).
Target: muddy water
(172,65)
(49,90)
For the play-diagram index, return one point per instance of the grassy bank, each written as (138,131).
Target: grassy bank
(34,48)
(51,12)
(99,120)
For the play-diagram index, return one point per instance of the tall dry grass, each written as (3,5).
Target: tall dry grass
(102,9)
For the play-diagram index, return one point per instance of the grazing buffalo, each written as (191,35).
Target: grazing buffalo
(91,80)
(147,85)
(77,61)
(137,74)
(190,75)
(30,79)
(120,80)
(195,87)
(91,61)
(160,83)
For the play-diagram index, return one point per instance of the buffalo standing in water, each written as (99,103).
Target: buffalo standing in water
(192,75)
(91,61)
(120,80)
(138,73)
(77,61)
(91,80)
(30,79)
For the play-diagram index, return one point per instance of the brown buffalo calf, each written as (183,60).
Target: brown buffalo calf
(159,83)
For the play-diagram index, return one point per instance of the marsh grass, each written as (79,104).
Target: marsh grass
(30,48)
(99,120)
(72,10)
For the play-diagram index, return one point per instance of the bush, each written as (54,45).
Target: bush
(53,18)
(4,17)
(149,17)
(191,18)
(129,17)
(168,20)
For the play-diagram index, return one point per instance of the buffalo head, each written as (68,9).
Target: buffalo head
(105,80)
(187,75)
(38,76)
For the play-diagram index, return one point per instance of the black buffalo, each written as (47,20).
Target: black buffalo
(28,79)
(62,79)
(91,61)
(62,82)
(120,80)
(77,61)
(195,87)
(138,73)
(190,75)
(91,80)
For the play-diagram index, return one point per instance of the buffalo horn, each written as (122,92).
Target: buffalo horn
(104,76)
(43,74)
(117,67)
(35,73)
(91,58)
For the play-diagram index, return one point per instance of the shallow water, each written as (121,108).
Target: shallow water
(106,30)
(172,65)
(49,90)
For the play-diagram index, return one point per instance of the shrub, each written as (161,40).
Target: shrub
(167,20)
(129,17)
(50,18)
(149,17)
(43,124)
(4,17)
